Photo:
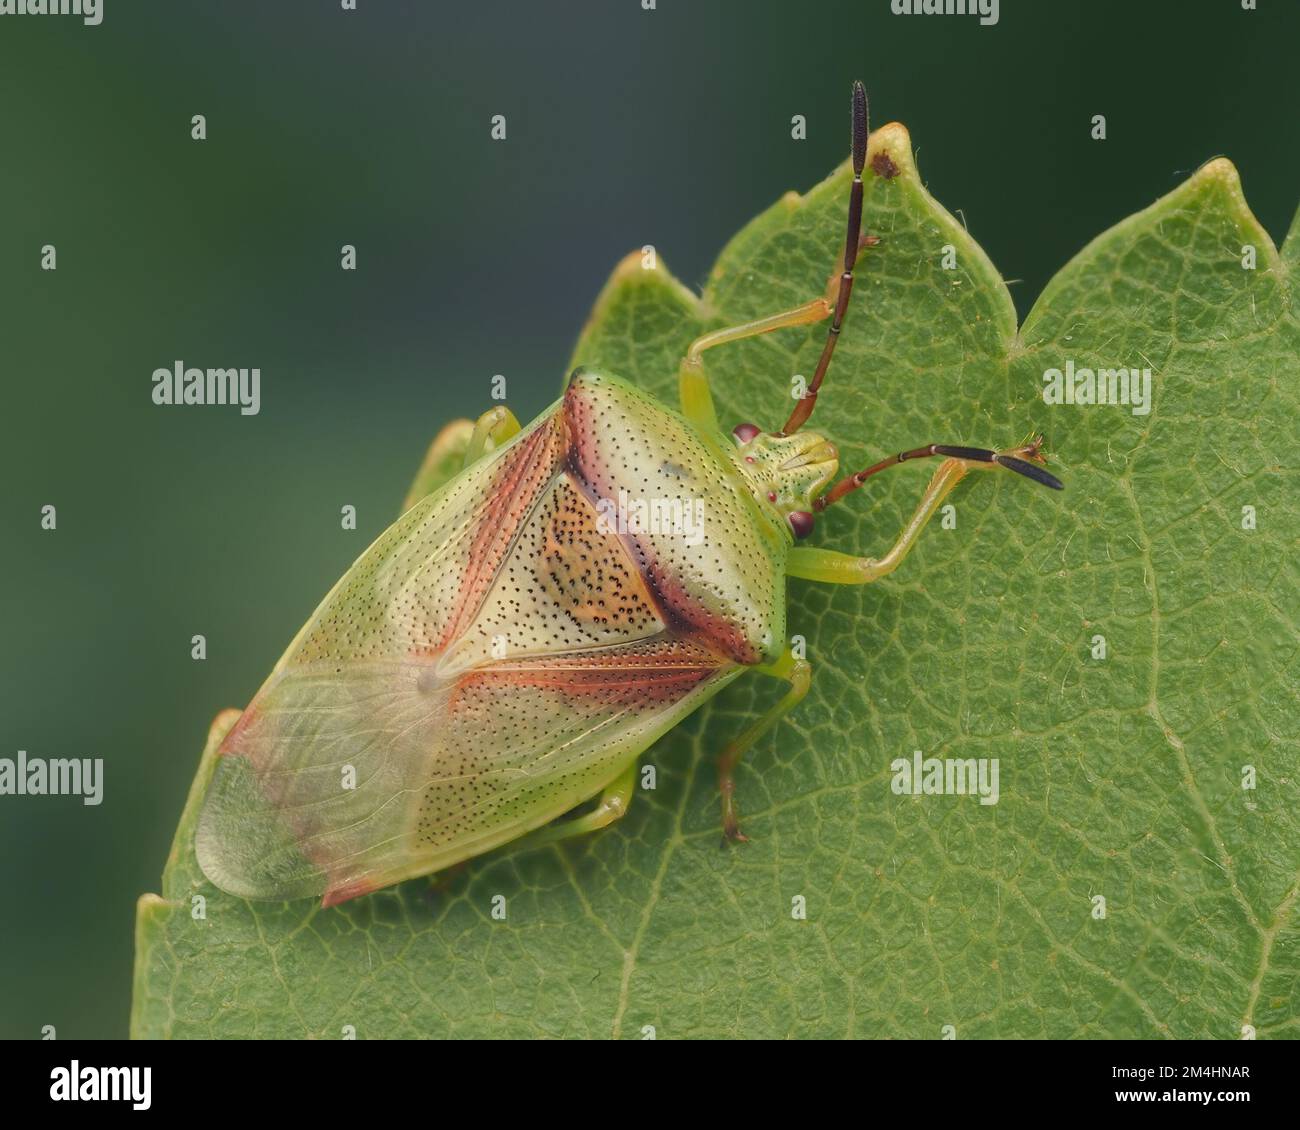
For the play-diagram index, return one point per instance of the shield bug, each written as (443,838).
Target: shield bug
(534,622)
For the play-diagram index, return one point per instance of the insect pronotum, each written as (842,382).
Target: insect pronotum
(507,650)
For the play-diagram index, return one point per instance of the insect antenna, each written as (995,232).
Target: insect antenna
(1024,460)
(853,243)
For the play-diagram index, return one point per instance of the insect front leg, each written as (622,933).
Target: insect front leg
(814,564)
(612,805)
(693,382)
(697,404)
(798,673)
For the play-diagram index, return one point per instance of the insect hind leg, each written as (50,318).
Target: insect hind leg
(798,673)
(612,805)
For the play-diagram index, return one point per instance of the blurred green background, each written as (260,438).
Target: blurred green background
(475,257)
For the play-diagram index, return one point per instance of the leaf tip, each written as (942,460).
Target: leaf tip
(1219,176)
(889,151)
(638,267)
(149,904)
(1221,173)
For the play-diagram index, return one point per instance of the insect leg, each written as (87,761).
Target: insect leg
(796,672)
(612,805)
(497,424)
(697,404)
(692,382)
(458,445)
(815,564)
(440,883)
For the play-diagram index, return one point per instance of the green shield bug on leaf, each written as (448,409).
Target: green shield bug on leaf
(554,599)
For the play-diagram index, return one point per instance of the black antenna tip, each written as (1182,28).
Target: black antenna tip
(1030,471)
(859,127)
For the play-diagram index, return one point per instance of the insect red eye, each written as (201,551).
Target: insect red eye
(745,432)
(801,522)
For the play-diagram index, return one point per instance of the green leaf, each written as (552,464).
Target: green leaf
(1120,777)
